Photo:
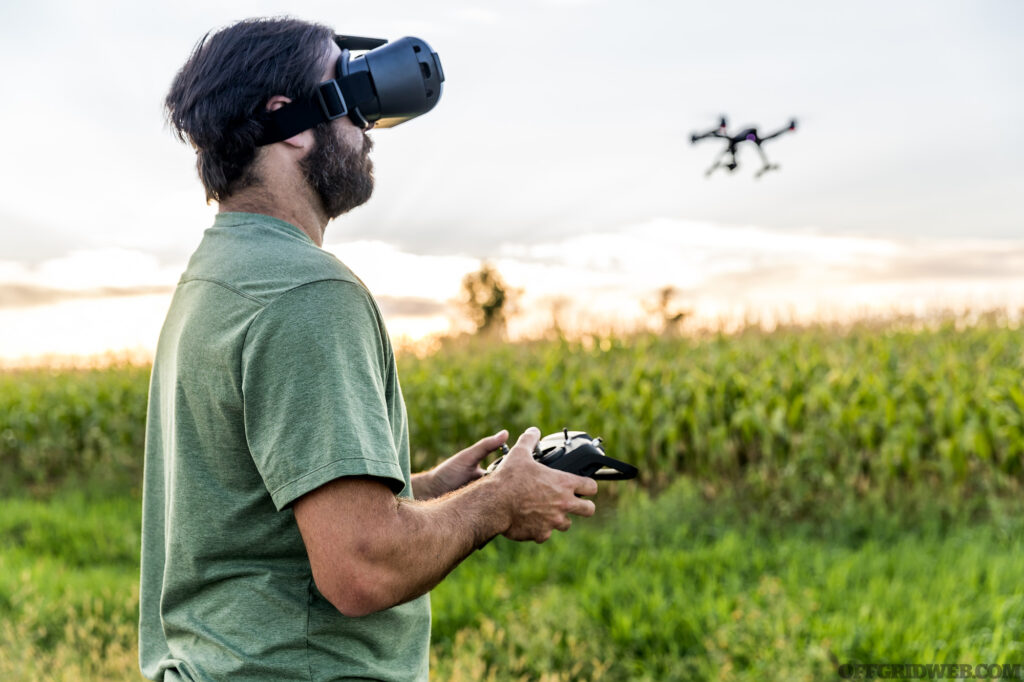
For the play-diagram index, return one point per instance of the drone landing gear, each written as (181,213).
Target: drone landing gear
(730,165)
(767,166)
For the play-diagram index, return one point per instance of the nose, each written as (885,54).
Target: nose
(369,127)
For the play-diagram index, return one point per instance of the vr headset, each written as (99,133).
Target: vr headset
(387,85)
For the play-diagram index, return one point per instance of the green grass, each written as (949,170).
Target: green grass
(681,586)
(684,587)
(809,497)
(69,588)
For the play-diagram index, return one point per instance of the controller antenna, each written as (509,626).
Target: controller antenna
(565,430)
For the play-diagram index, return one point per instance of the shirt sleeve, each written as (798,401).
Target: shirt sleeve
(313,384)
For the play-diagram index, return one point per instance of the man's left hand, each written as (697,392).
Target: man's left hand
(461,468)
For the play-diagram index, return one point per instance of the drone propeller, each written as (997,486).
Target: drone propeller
(788,129)
(713,132)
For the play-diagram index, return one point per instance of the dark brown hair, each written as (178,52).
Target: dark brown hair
(218,98)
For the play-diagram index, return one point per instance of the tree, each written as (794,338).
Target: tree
(671,315)
(487,300)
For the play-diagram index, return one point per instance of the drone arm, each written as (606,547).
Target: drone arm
(790,128)
(701,136)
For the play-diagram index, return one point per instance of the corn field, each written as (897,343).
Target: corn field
(870,407)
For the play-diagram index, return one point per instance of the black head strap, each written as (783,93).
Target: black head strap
(332,99)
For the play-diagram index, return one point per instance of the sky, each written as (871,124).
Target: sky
(560,150)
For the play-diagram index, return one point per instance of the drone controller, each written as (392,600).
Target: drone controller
(577,453)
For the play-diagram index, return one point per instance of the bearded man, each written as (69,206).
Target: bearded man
(284,536)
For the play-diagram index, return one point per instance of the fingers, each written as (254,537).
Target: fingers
(581,507)
(584,485)
(527,441)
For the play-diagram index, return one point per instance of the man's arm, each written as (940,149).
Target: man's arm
(370,550)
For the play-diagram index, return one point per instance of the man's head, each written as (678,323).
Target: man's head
(219,99)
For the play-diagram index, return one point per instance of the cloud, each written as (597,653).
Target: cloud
(592,281)
(84,278)
(88,273)
(722,271)
(410,306)
(717,267)
(31,295)
(956,260)
(399,274)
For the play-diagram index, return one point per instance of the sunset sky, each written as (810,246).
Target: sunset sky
(560,150)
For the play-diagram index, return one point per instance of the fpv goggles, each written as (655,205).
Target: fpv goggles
(387,85)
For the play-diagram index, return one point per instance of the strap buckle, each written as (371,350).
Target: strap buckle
(332,102)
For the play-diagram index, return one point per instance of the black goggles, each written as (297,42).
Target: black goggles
(387,85)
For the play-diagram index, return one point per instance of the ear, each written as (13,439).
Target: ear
(301,140)
(277,101)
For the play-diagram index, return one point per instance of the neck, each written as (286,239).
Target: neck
(299,206)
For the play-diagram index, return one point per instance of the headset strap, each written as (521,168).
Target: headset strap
(332,99)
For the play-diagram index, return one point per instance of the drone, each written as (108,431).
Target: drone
(748,135)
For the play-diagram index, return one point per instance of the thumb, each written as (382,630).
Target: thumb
(527,442)
(476,452)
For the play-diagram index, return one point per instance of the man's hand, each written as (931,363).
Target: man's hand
(541,498)
(458,470)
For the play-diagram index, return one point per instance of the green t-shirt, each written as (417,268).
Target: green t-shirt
(273,375)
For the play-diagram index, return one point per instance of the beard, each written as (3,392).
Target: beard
(340,175)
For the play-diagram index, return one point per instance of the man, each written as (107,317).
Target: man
(283,535)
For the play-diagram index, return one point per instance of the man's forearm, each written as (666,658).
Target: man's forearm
(370,550)
(440,533)
(414,546)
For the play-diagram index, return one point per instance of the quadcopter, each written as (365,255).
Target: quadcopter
(748,135)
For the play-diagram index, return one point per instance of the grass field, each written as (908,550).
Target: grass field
(675,588)
(811,497)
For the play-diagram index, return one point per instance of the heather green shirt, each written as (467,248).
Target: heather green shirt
(273,375)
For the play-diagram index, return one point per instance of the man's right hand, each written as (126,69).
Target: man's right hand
(539,498)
